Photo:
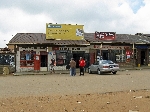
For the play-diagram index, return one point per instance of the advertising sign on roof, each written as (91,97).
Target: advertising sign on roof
(105,35)
(64,31)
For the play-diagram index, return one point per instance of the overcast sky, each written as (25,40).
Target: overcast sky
(31,16)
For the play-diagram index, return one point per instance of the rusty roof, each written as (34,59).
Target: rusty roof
(121,38)
(40,38)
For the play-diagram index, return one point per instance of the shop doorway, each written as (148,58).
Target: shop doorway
(105,54)
(43,60)
(143,58)
(76,58)
(77,55)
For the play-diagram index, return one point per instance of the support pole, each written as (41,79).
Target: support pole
(101,51)
(133,55)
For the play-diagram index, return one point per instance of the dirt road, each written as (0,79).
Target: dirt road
(89,93)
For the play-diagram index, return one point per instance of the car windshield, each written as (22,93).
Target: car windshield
(107,62)
(96,63)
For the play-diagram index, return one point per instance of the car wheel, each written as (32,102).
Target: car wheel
(99,72)
(114,72)
(89,70)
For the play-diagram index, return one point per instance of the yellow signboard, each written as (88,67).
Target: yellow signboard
(64,31)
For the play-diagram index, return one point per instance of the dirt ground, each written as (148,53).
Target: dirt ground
(128,91)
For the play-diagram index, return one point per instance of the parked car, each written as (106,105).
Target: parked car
(103,66)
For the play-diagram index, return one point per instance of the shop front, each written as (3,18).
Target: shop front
(63,57)
(122,55)
(143,54)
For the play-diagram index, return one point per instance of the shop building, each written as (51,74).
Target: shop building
(125,49)
(34,52)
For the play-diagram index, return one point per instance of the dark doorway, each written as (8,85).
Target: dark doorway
(112,55)
(76,56)
(105,55)
(43,60)
(142,57)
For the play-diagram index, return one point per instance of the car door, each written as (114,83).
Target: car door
(95,66)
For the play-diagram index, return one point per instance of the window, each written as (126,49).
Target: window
(27,58)
(120,55)
(107,62)
(60,59)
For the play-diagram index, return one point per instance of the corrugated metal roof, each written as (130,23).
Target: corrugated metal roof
(148,35)
(126,38)
(40,38)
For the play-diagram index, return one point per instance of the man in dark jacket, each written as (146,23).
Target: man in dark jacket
(72,67)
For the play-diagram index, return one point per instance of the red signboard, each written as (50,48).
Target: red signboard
(105,35)
(37,62)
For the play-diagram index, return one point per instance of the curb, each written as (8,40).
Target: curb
(68,72)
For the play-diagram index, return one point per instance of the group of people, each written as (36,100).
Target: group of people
(72,64)
(82,64)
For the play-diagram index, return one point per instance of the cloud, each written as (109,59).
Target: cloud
(15,20)
(120,16)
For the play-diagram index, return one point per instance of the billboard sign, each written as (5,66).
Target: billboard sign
(105,35)
(64,31)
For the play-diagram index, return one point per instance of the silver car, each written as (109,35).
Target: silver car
(104,66)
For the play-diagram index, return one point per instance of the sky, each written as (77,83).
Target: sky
(31,16)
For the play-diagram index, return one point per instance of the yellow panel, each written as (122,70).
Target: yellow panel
(64,31)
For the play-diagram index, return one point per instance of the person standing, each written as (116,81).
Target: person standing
(53,63)
(72,67)
(82,65)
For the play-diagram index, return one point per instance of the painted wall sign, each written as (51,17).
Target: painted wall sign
(105,35)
